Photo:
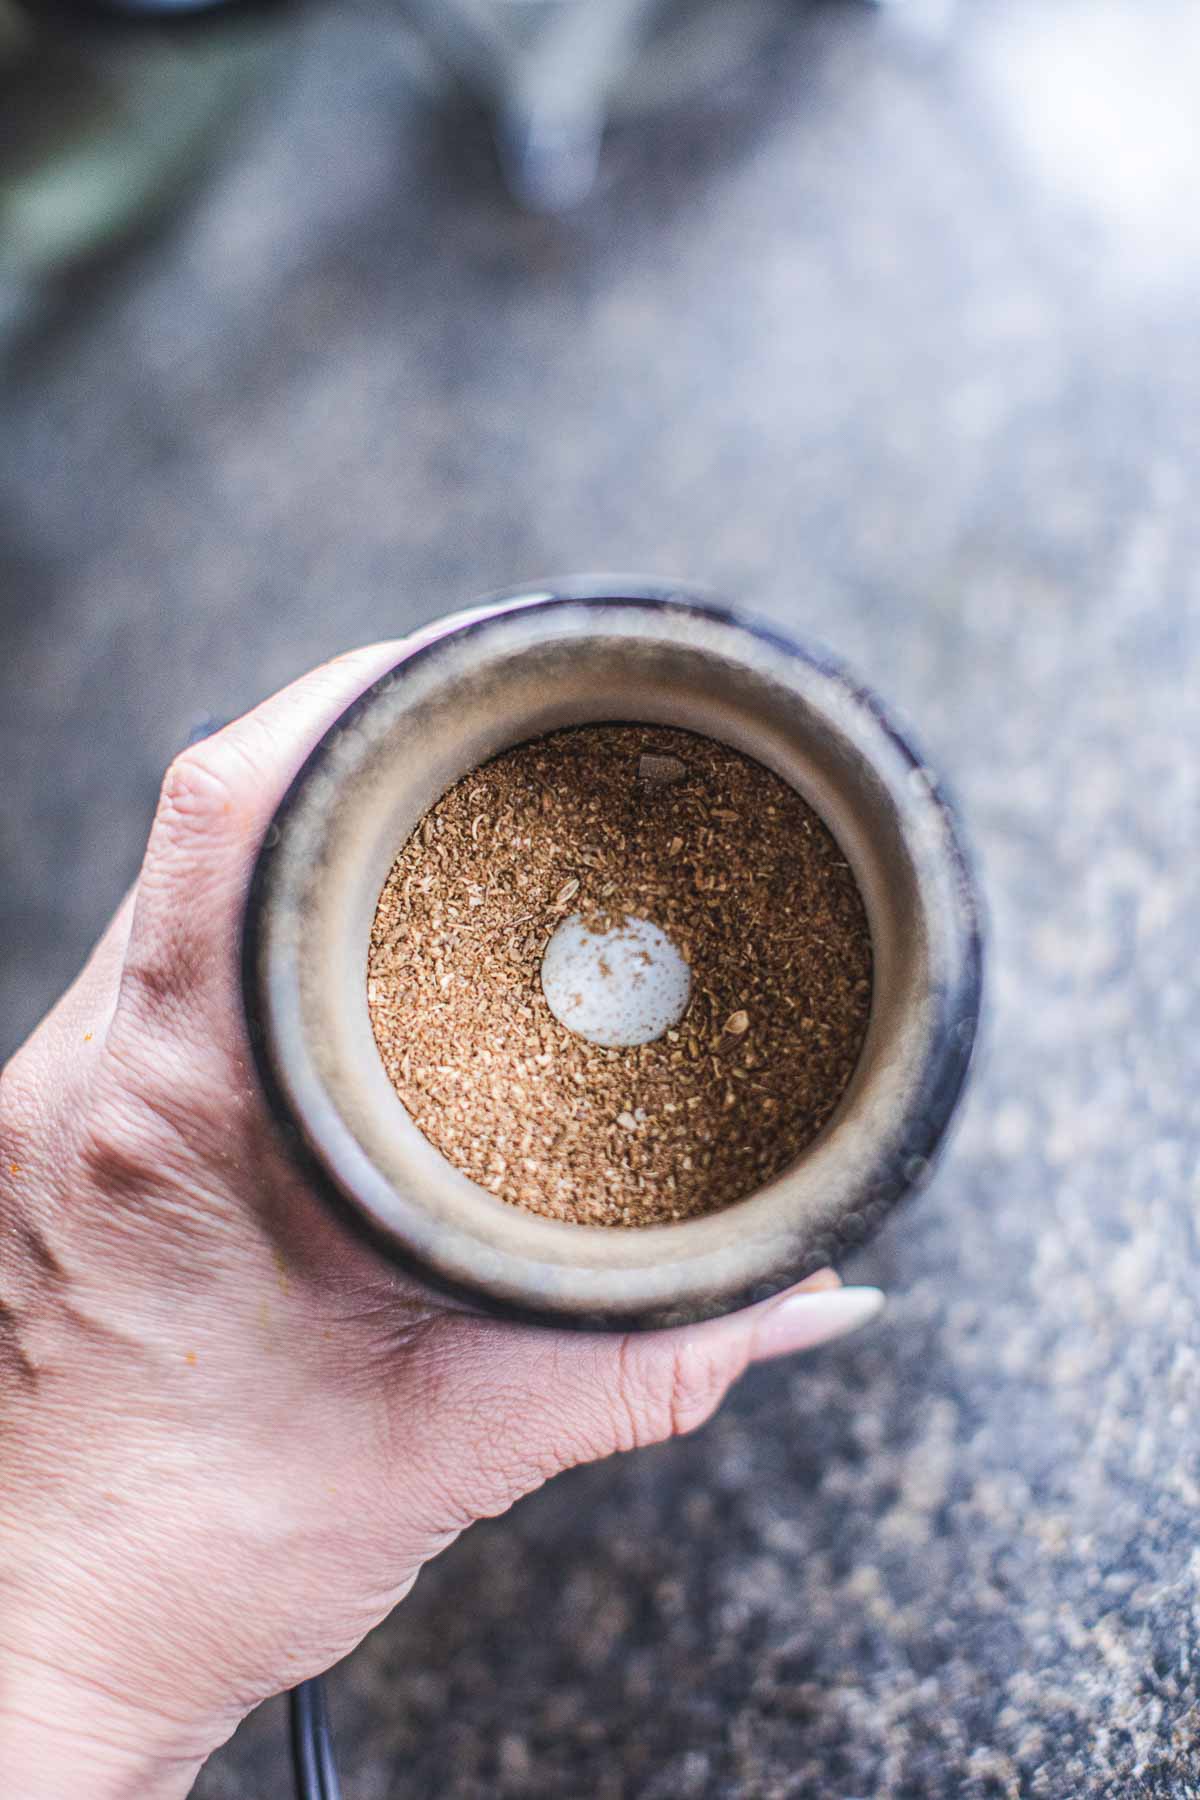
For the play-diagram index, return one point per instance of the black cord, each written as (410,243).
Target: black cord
(313,1763)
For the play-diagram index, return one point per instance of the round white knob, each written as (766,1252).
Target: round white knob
(623,986)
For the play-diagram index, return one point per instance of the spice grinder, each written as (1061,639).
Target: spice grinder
(477,684)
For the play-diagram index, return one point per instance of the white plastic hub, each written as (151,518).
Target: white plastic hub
(619,987)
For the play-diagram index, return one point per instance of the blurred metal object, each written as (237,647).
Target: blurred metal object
(108,107)
(547,68)
(103,122)
(922,18)
(552,72)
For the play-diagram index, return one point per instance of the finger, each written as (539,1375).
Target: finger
(804,1317)
(673,1381)
(217,799)
(225,788)
(814,1284)
(501,1409)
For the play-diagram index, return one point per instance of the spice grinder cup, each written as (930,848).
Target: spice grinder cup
(463,691)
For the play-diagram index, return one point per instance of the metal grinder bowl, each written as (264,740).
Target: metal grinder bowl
(476,684)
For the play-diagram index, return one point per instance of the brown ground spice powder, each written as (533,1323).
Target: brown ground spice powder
(742,876)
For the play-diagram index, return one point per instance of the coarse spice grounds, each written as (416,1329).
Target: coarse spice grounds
(612,821)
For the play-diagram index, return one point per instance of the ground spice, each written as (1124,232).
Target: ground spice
(610,821)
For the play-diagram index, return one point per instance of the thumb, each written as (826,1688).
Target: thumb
(503,1408)
(671,1382)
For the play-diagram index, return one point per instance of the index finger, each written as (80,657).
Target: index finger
(216,801)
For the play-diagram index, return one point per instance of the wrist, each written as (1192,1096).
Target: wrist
(61,1738)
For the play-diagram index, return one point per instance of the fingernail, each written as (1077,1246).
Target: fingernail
(818,1283)
(804,1320)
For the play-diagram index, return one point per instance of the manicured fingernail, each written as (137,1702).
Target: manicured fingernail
(824,1278)
(804,1320)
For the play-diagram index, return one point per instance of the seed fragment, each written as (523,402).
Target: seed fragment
(660,771)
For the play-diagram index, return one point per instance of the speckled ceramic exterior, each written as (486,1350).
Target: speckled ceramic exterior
(477,683)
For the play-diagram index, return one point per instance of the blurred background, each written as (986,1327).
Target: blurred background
(315,323)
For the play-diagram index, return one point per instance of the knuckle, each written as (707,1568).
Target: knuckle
(157,980)
(121,1152)
(110,1155)
(189,880)
(196,792)
(505,1461)
(153,1177)
(667,1390)
(502,1426)
(698,1383)
(488,1461)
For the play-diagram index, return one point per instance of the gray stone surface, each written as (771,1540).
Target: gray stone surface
(897,343)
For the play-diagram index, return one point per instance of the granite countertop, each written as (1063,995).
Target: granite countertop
(895,341)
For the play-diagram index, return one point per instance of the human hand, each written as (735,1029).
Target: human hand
(232,1434)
